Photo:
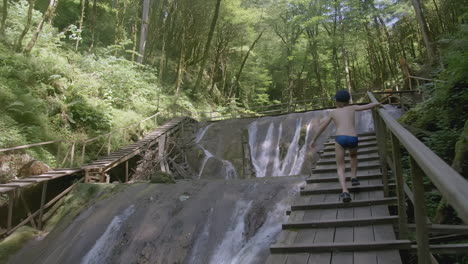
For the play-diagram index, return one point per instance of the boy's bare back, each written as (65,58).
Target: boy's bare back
(344,120)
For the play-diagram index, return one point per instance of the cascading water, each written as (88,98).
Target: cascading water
(101,251)
(229,170)
(279,145)
(236,248)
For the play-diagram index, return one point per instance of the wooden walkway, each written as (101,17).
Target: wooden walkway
(322,229)
(96,171)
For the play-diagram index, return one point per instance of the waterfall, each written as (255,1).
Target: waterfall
(266,152)
(228,168)
(278,148)
(235,248)
(101,251)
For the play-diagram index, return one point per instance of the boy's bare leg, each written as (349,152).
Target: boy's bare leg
(340,165)
(354,162)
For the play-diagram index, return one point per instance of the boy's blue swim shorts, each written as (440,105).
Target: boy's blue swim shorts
(347,141)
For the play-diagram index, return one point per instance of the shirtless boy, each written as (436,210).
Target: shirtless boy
(346,137)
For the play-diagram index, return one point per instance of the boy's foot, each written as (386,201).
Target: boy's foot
(345,197)
(355,181)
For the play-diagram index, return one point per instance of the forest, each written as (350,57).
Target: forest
(73,69)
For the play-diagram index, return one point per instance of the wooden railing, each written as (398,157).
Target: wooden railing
(72,148)
(36,216)
(452,186)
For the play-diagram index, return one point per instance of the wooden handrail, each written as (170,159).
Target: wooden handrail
(451,184)
(29,146)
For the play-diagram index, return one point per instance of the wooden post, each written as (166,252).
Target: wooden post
(86,173)
(379,128)
(11,202)
(383,147)
(57,160)
(109,144)
(72,154)
(43,198)
(83,152)
(26,207)
(126,171)
(397,172)
(422,239)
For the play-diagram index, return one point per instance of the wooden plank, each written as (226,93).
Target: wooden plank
(6,189)
(361,188)
(364,157)
(344,222)
(43,198)
(343,235)
(384,232)
(345,247)
(330,168)
(353,203)
(364,175)
(461,248)
(325,235)
(364,233)
(443,229)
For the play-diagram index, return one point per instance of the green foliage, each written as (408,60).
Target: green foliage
(447,99)
(15,241)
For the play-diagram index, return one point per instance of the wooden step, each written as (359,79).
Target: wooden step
(341,247)
(360,168)
(331,154)
(347,160)
(341,222)
(368,134)
(335,178)
(353,203)
(374,187)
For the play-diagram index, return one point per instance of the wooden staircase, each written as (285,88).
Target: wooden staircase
(323,229)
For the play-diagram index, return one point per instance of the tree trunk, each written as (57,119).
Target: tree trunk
(239,73)
(180,64)
(207,46)
(134,34)
(144,30)
(19,42)
(347,75)
(93,26)
(4,17)
(48,15)
(424,30)
(83,5)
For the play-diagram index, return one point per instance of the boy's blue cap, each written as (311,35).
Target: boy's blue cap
(342,96)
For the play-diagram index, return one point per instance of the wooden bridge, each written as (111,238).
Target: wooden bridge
(320,228)
(97,171)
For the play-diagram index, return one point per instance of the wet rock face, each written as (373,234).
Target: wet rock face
(218,221)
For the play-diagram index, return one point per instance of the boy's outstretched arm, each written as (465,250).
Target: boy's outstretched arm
(323,125)
(367,106)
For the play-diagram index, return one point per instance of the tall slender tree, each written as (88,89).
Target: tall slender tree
(4,17)
(144,30)
(426,35)
(48,15)
(207,46)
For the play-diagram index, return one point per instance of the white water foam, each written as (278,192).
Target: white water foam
(101,251)
(236,249)
(230,171)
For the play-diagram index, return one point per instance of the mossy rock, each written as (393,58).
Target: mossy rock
(15,242)
(162,177)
